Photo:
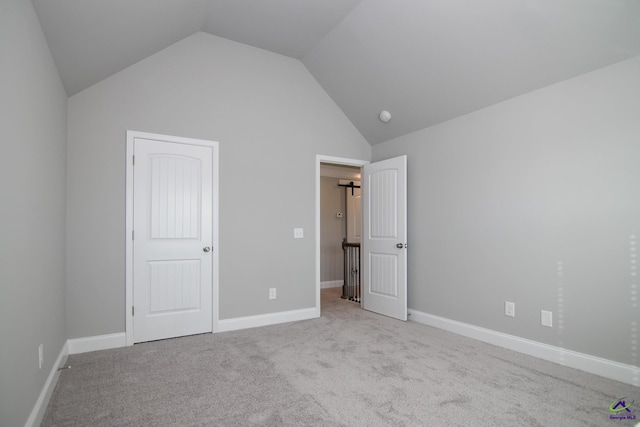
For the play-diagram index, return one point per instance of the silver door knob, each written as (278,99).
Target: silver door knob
(206,249)
(399,246)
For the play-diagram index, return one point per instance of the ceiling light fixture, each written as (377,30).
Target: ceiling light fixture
(385,116)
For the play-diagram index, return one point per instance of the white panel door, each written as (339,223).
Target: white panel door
(384,243)
(354,214)
(172,239)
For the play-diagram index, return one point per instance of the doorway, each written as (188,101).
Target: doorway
(384,237)
(340,228)
(332,215)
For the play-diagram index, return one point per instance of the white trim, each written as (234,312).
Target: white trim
(627,374)
(98,342)
(215,188)
(39,409)
(334,171)
(237,323)
(128,265)
(337,161)
(331,284)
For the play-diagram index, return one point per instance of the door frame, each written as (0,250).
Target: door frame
(131,136)
(335,161)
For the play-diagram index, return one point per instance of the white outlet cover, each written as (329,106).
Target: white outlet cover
(298,233)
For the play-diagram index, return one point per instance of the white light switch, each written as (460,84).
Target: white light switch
(298,233)
(509,309)
(546,318)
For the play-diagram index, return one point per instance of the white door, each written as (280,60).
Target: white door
(384,242)
(172,239)
(354,214)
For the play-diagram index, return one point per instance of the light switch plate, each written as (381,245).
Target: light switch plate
(509,309)
(546,318)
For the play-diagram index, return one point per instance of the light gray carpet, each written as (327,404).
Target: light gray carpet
(348,368)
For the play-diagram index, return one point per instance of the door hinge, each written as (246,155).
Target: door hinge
(133,311)
(132,235)
(133,160)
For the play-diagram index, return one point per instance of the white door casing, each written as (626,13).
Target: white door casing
(172,256)
(384,240)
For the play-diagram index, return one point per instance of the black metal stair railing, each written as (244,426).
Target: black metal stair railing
(351,286)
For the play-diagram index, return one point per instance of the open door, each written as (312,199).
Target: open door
(384,239)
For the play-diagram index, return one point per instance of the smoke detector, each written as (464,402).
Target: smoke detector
(385,116)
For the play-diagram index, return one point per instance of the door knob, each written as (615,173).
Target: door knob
(206,249)
(399,246)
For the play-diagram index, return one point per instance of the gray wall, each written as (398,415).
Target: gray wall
(32,211)
(271,119)
(332,229)
(535,200)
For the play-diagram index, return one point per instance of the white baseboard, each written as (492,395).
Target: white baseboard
(117,340)
(73,346)
(628,374)
(331,284)
(37,413)
(98,342)
(237,323)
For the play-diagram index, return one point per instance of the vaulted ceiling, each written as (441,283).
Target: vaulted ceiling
(425,61)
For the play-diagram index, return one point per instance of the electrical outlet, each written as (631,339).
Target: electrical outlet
(509,309)
(40,355)
(546,318)
(298,233)
(272,293)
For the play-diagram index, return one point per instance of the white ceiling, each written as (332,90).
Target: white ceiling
(426,61)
